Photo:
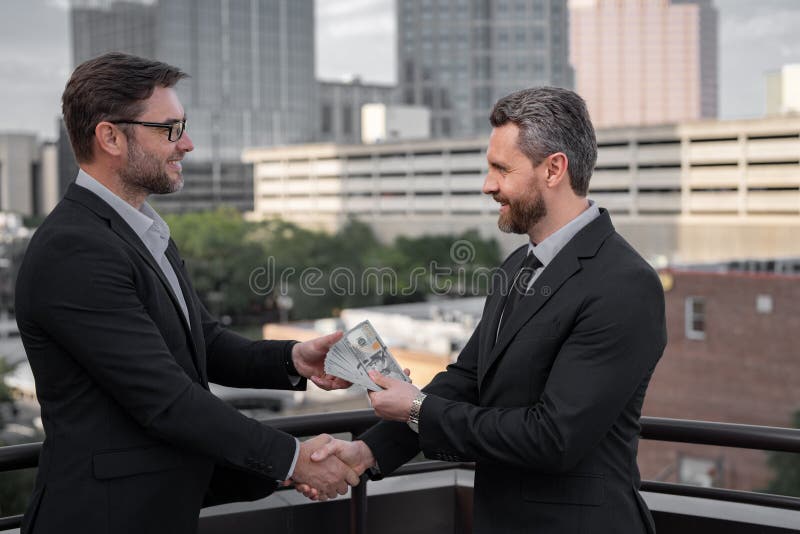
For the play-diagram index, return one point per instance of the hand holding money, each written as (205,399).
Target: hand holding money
(393,402)
(308,359)
(360,351)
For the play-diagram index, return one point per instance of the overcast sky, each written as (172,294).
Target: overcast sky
(356,38)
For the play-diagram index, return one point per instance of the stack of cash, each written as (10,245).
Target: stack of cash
(359,351)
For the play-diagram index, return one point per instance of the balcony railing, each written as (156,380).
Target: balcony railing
(672,430)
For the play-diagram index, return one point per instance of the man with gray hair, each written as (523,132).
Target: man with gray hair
(546,396)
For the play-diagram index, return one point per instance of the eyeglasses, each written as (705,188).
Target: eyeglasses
(176,129)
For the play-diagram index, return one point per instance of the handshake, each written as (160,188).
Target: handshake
(327,466)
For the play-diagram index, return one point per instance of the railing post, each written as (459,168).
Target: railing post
(358,507)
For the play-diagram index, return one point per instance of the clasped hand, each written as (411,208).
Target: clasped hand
(353,458)
(334,457)
(326,473)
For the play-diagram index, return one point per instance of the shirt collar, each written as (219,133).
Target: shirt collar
(140,220)
(552,245)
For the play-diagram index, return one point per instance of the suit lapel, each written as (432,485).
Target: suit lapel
(126,233)
(565,265)
(493,308)
(196,334)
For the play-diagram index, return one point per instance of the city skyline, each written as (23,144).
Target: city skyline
(755,38)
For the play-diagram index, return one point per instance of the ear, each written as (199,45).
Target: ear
(556,165)
(109,139)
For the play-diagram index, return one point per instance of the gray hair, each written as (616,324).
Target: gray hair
(550,120)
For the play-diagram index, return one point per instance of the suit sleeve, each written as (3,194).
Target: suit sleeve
(87,301)
(235,361)
(616,341)
(393,443)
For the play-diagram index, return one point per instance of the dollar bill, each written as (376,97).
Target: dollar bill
(362,350)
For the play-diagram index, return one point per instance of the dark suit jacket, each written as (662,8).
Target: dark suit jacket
(133,435)
(550,410)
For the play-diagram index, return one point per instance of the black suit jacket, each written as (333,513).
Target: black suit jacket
(134,438)
(549,411)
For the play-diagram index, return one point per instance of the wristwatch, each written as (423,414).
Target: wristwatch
(413,416)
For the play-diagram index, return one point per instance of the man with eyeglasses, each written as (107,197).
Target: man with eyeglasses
(122,349)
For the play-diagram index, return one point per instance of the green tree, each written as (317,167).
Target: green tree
(321,272)
(220,257)
(786,466)
(450,262)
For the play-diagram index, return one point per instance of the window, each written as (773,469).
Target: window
(695,318)
(445,126)
(427,97)
(409,70)
(764,304)
(705,472)
(347,119)
(327,113)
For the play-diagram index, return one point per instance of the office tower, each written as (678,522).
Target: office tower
(783,90)
(28,174)
(252,67)
(457,57)
(107,25)
(19,170)
(340,108)
(252,78)
(641,62)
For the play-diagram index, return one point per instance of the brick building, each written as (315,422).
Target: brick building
(732,356)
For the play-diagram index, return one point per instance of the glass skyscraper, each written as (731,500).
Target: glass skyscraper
(252,76)
(457,57)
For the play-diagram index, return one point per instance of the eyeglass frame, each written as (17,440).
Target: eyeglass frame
(168,125)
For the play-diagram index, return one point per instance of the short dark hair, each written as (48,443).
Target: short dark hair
(113,86)
(550,120)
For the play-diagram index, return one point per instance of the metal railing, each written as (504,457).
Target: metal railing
(653,428)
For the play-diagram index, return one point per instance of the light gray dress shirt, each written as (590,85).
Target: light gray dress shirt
(552,245)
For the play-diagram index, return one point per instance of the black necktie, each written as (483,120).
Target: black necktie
(519,287)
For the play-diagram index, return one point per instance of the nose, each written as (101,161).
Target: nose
(489,184)
(185,143)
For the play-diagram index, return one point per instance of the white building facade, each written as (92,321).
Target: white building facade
(696,191)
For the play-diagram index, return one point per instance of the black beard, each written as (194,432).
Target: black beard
(145,173)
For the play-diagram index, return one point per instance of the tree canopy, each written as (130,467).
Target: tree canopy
(246,269)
